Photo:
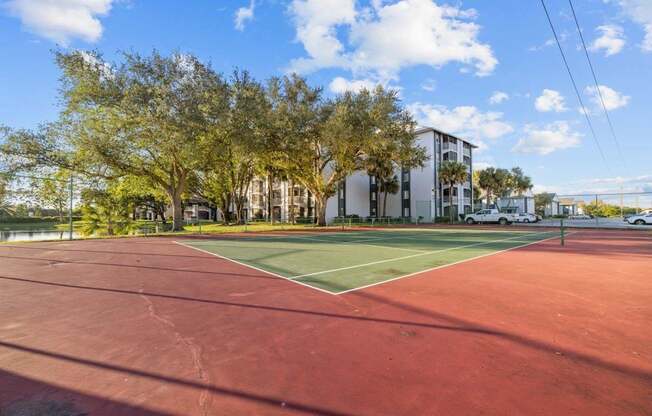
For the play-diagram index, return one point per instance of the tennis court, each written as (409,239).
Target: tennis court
(497,321)
(339,262)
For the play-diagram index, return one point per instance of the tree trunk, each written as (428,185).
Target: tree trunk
(291,202)
(450,204)
(270,192)
(177,212)
(384,204)
(320,202)
(225,210)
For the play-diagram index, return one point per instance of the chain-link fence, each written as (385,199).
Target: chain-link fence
(38,207)
(60,207)
(611,210)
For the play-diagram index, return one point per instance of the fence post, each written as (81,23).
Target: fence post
(561,227)
(70,209)
(596,211)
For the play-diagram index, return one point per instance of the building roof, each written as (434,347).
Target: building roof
(424,129)
(566,201)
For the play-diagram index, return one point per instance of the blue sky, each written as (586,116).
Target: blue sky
(486,70)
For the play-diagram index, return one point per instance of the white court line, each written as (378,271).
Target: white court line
(424,253)
(447,265)
(256,268)
(350,242)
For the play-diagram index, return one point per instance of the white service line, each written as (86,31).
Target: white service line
(424,253)
(255,268)
(447,265)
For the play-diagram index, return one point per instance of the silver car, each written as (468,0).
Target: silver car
(525,217)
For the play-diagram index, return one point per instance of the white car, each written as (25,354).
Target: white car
(640,219)
(490,215)
(525,217)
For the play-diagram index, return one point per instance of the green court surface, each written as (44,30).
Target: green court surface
(338,262)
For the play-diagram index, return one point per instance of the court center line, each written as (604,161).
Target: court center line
(425,253)
(448,265)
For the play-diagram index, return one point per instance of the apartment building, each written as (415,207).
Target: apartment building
(422,195)
(288,200)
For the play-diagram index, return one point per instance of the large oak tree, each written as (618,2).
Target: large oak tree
(144,117)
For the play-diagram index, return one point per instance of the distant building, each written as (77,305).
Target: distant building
(522,204)
(421,194)
(552,208)
(568,206)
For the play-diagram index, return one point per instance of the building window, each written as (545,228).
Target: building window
(406,212)
(406,176)
(406,194)
(373,196)
(373,179)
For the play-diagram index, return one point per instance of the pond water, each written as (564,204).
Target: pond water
(36,235)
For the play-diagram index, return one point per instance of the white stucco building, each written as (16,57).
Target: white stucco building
(421,194)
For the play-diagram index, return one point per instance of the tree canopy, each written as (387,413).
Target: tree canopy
(174,125)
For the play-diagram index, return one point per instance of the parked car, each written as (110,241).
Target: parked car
(640,219)
(490,216)
(580,217)
(525,217)
(644,212)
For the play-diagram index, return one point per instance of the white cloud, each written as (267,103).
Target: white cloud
(385,38)
(465,121)
(548,139)
(614,185)
(244,14)
(62,20)
(316,22)
(612,40)
(612,98)
(550,100)
(340,85)
(481,165)
(640,11)
(498,97)
(429,85)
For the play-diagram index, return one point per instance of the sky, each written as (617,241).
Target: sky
(488,71)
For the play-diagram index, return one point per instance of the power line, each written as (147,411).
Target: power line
(597,86)
(577,92)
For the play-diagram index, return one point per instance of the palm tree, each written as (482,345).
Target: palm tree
(494,182)
(520,183)
(388,185)
(383,170)
(452,173)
